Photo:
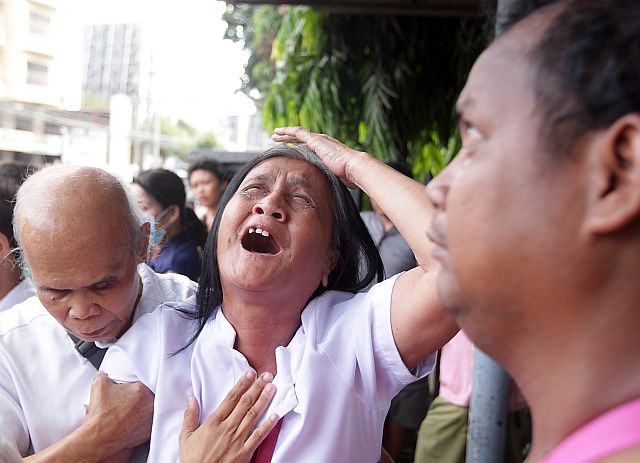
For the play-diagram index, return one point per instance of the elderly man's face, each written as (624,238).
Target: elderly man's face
(507,210)
(87,281)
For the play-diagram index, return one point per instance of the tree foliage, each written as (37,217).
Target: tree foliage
(207,140)
(383,84)
(179,138)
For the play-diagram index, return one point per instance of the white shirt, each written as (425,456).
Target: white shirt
(20,292)
(334,380)
(43,379)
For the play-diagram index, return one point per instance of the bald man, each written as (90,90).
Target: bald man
(85,244)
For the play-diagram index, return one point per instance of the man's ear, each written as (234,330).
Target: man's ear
(615,158)
(143,239)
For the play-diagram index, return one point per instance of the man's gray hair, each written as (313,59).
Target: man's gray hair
(50,197)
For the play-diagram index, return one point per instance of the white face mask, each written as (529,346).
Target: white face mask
(157,233)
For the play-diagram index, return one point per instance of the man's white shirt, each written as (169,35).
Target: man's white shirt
(44,380)
(20,293)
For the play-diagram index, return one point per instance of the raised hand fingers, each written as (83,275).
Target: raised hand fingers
(252,404)
(230,402)
(258,397)
(291,135)
(228,434)
(259,434)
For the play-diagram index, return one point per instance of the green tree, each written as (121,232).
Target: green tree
(179,138)
(207,140)
(384,84)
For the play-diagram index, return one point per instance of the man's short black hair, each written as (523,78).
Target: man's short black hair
(212,166)
(587,65)
(516,10)
(588,68)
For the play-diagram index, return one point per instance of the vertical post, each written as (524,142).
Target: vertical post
(487,411)
(490,391)
(503,8)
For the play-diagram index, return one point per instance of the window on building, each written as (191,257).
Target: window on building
(37,73)
(24,123)
(51,129)
(39,22)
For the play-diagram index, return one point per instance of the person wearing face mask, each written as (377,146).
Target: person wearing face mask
(176,230)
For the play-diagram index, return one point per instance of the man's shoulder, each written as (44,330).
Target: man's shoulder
(24,316)
(169,285)
(162,290)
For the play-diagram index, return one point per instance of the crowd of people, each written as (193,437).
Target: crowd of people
(279,328)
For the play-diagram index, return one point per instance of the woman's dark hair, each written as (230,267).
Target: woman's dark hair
(209,165)
(358,264)
(167,188)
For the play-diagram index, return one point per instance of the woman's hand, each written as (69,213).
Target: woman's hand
(337,156)
(226,435)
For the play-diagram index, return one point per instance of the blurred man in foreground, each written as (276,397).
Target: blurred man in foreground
(538,223)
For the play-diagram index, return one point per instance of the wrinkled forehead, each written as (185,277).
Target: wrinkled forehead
(295,172)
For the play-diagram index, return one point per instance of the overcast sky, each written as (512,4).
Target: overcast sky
(197,71)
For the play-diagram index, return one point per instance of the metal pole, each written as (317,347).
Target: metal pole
(487,410)
(503,8)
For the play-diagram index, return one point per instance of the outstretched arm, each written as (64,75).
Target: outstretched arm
(420,325)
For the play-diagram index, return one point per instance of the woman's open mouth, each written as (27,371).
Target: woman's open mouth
(260,241)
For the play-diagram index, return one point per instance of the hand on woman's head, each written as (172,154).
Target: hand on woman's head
(337,156)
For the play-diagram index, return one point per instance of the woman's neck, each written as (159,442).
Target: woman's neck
(260,329)
(174,230)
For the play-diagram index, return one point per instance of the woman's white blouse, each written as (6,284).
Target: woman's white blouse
(334,380)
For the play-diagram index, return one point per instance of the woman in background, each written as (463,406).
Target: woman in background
(208,181)
(162,195)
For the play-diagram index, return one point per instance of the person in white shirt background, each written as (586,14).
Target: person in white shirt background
(14,287)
